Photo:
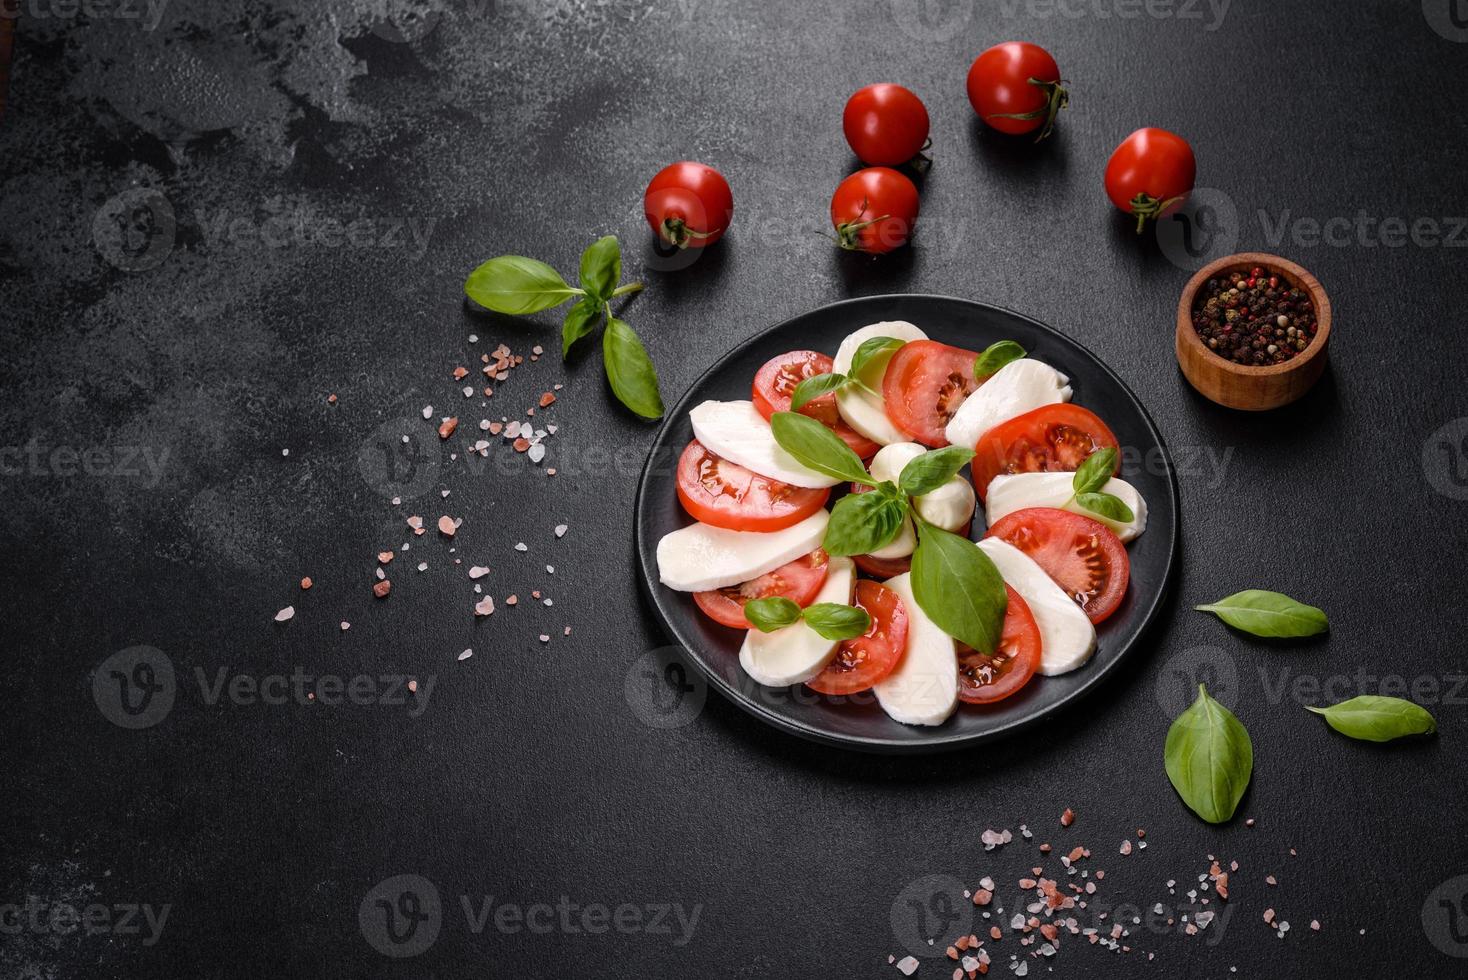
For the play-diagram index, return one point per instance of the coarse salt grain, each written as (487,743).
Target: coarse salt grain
(478,571)
(466,654)
(484,607)
(285,614)
(561,530)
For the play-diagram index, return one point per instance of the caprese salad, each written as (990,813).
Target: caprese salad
(881,589)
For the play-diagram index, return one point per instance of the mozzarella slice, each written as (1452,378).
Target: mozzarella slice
(739,433)
(1067,638)
(1016,388)
(1011,492)
(797,653)
(700,557)
(923,689)
(862,410)
(901,546)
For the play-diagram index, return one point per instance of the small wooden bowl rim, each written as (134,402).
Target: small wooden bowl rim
(1292,272)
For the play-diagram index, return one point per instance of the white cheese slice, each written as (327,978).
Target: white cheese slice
(739,433)
(923,688)
(1011,492)
(862,410)
(1067,638)
(797,653)
(1020,386)
(700,557)
(950,507)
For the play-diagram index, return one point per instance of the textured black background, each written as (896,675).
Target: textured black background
(532,127)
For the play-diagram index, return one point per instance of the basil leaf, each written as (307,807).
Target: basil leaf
(580,320)
(514,284)
(870,348)
(601,267)
(1377,719)
(1108,506)
(995,356)
(926,473)
(958,587)
(634,380)
(863,522)
(815,446)
(1209,758)
(834,621)
(772,613)
(814,387)
(1095,472)
(1267,614)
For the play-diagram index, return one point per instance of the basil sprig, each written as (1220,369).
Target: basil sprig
(517,285)
(1209,758)
(831,620)
(1091,476)
(953,581)
(1374,718)
(1269,614)
(823,384)
(995,356)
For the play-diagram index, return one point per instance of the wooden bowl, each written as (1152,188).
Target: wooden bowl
(1246,387)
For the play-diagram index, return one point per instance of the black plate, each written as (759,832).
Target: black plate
(858,722)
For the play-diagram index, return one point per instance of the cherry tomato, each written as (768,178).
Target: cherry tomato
(1084,557)
(774,385)
(724,494)
(985,678)
(1150,174)
(925,383)
(1048,440)
(800,582)
(1015,88)
(873,210)
(886,124)
(866,659)
(689,204)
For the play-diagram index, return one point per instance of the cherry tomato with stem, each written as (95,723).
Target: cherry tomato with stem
(688,204)
(873,210)
(1150,174)
(886,125)
(1016,88)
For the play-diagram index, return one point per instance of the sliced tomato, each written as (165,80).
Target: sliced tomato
(1047,440)
(985,678)
(925,383)
(724,494)
(1084,557)
(774,386)
(866,659)
(798,581)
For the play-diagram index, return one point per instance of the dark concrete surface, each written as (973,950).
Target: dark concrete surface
(160,354)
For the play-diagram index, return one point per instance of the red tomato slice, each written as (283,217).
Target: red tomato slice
(774,386)
(724,494)
(1048,440)
(925,383)
(985,678)
(868,658)
(798,581)
(1084,557)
